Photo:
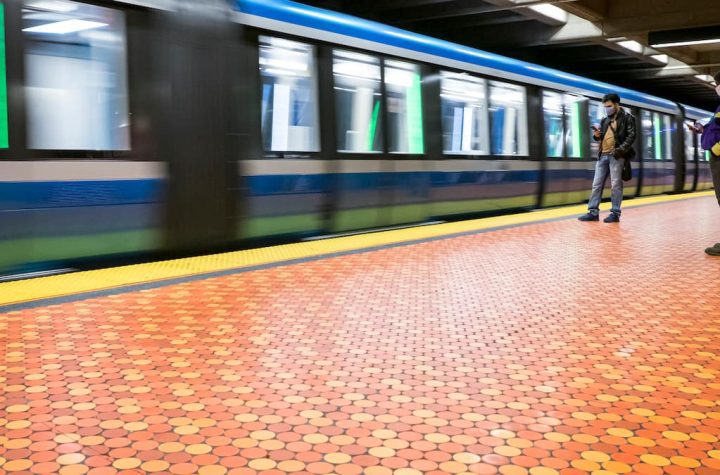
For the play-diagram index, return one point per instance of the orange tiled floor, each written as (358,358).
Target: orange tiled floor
(559,347)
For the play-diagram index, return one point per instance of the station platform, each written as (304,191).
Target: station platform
(524,344)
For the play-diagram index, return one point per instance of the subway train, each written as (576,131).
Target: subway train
(151,128)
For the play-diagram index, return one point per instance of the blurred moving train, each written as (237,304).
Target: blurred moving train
(159,127)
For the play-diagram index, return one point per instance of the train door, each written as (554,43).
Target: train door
(570,166)
(284,177)
(482,161)
(705,181)
(658,167)
(380,174)
(360,176)
(690,158)
(411,133)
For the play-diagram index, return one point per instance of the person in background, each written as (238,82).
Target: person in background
(616,135)
(710,140)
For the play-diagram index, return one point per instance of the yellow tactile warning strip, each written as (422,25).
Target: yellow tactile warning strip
(110,278)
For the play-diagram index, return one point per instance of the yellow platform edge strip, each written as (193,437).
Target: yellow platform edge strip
(64,285)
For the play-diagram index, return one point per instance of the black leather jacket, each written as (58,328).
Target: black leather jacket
(625,133)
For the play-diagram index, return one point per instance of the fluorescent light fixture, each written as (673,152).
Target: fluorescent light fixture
(678,65)
(279,63)
(399,77)
(660,58)
(687,43)
(65,27)
(357,70)
(551,11)
(283,43)
(364,58)
(631,45)
(53,6)
(704,77)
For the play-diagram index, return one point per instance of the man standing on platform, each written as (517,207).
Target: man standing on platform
(616,135)
(710,140)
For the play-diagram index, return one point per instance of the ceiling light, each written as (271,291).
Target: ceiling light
(551,11)
(687,43)
(660,58)
(64,27)
(704,77)
(631,45)
(53,6)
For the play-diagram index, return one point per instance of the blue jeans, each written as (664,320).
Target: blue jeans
(607,164)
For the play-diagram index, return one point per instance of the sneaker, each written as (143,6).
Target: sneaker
(589,217)
(713,251)
(613,218)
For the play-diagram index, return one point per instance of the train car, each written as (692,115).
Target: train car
(70,185)
(499,134)
(145,128)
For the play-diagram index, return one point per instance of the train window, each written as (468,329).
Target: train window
(508,119)
(596,113)
(553,114)
(464,114)
(664,130)
(75,73)
(404,107)
(563,124)
(358,93)
(574,132)
(648,135)
(4,143)
(689,142)
(703,155)
(289,96)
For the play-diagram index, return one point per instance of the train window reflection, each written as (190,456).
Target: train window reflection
(703,155)
(648,137)
(464,114)
(553,113)
(596,113)
(663,143)
(404,107)
(358,94)
(574,131)
(289,101)
(508,119)
(689,142)
(564,135)
(76,79)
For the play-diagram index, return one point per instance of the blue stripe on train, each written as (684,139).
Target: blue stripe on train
(64,194)
(264,185)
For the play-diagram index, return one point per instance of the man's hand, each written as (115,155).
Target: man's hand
(697,127)
(596,131)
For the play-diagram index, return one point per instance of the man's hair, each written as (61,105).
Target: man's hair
(717,78)
(614,98)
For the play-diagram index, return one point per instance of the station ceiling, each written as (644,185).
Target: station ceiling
(669,48)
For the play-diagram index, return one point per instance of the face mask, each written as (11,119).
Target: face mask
(610,110)
(717,90)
